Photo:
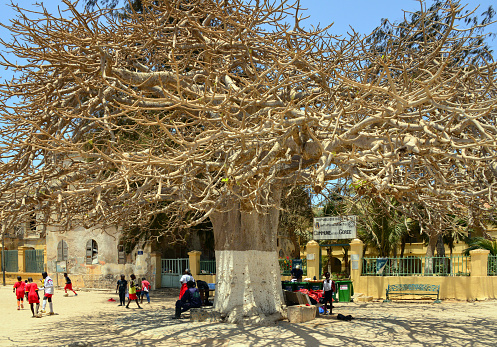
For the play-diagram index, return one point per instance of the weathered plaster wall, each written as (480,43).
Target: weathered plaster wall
(103,273)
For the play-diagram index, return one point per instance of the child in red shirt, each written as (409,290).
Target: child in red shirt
(33,297)
(145,290)
(19,288)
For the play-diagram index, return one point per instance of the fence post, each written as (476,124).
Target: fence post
(356,249)
(45,258)
(479,262)
(194,262)
(21,259)
(313,259)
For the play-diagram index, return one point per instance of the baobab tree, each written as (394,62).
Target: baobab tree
(212,107)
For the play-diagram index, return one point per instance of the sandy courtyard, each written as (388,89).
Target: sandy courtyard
(91,320)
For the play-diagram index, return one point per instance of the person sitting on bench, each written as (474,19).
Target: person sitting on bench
(190,299)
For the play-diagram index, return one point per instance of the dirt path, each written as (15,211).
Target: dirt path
(90,318)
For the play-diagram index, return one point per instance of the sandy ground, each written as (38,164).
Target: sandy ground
(91,320)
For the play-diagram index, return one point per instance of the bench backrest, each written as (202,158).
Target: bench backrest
(413,287)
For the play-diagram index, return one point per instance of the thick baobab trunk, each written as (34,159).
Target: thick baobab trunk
(248,281)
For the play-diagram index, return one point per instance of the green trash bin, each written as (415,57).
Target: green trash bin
(345,290)
(316,286)
(287,285)
(301,285)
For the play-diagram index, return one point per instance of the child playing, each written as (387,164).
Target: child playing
(122,285)
(68,285)
(49,291)
(33,297)
(19,288)
(26,290)
(132,291)
(145,290)
(328,288)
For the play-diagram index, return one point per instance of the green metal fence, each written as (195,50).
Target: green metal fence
(457,265)
(207,266)
(35,262)
(492,265)
(10,261)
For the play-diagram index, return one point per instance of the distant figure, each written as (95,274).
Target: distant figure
(19,288)
(187,276)
(190,299)
(138,289)
(33,297)
(68,285)
(328,289)
(297,273)
(145,290)
(49,291)
(122,285)
(132,291)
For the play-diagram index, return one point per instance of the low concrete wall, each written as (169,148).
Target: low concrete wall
(11,277)
(477,286)
(458,287)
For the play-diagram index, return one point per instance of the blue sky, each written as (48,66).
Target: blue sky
(362,15)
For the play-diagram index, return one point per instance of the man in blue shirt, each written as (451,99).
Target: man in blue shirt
(190,299)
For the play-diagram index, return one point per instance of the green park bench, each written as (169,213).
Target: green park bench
(413,289)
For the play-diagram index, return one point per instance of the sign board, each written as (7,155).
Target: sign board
(344,287)
(140,252)
(61,266)
(310,256)
(335,228)
(355,265)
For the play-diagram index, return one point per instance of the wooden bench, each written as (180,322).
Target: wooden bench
(413,289)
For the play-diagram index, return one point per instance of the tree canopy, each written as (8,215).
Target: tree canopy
(111,116)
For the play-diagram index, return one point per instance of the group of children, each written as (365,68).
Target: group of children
(136,291)
(29,290)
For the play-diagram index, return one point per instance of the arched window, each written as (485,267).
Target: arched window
(91,252)
(62,251)
(121,254)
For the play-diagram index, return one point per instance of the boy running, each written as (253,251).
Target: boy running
(68,285)
(19,288)
(33,297)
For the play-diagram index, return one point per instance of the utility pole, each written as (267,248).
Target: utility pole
(3,256)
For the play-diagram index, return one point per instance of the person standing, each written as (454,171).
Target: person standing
(132,291)
(328,289)
(297,273)
(190,299)
(19,289)
(122,285)
(145,290)
(187,276)
(68,285)
(33,297)
(49,292)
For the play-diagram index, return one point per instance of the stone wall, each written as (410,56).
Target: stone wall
(104,270)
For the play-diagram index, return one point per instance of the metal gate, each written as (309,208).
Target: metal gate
(172,270)
(35,262)
(10,261)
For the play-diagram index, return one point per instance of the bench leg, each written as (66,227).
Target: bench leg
(386,300)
